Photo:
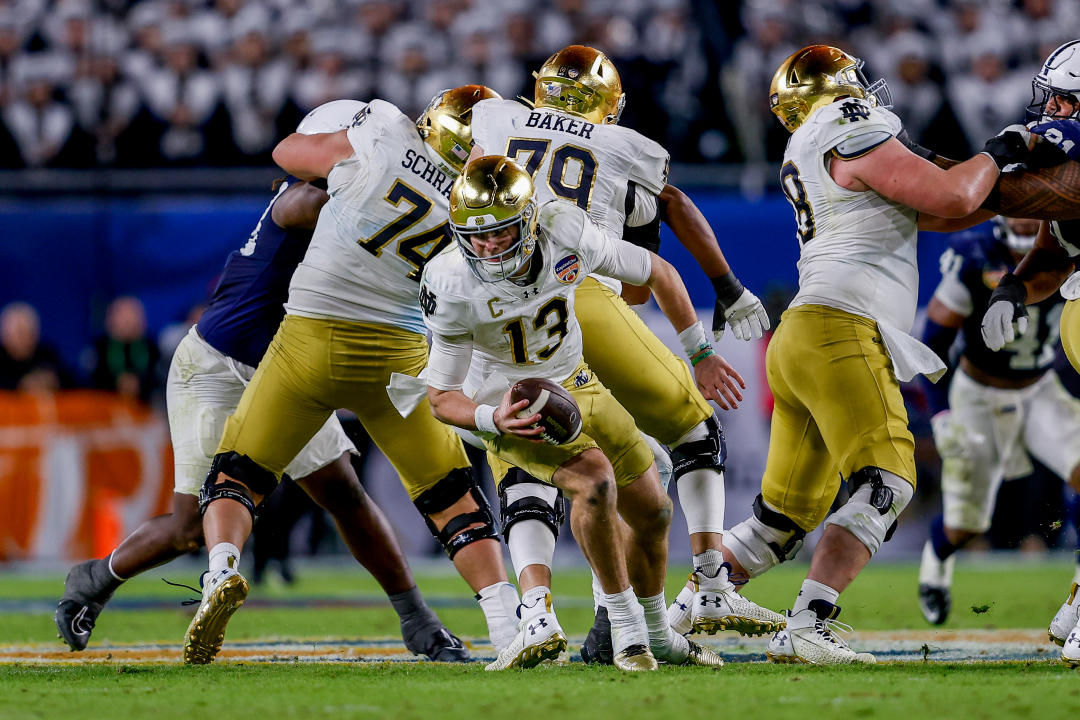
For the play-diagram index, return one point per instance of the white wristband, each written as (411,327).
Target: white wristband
(693,339)
(484,417)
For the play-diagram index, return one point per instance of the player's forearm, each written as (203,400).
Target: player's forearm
(452,407)
(671,294)
(967,185)
(693,231)
(1048,193)
(1043,271)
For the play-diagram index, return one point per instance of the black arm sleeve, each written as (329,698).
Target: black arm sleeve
(644,236)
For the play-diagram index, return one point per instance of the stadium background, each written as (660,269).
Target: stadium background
(135,140)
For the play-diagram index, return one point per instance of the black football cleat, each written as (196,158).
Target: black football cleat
(935,603)
(83,601)
(597,649)
(441,646)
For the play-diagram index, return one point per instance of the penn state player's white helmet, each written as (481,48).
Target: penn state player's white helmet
(1060,75)
(330,117)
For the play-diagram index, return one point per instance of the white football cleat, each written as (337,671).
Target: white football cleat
(717,606)
(811,638)
(1070,651)
(224,592)
(1066,619)
(539,638)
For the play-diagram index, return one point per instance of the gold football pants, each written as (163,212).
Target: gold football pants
(656,387)
(315,366)
(838,408)
(604,424)
(1070,332)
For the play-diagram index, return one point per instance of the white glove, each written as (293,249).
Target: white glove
(1000,326)
(747,317)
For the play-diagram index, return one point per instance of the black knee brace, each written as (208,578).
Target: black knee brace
(528,508)
(710,452)
(445,493)
(783,523)
(251,476)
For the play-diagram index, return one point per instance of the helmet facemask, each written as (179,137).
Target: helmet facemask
(1060,76)
(510,261)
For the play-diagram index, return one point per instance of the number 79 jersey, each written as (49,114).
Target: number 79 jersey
(386,217)
(857,249)
(573,159)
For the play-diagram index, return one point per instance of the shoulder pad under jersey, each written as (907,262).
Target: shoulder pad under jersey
(851,127)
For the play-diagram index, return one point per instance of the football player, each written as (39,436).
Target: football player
(1047,267)
(207,376)
(571,144)
(997,406)
(842,347)
(505,296)
(352,317)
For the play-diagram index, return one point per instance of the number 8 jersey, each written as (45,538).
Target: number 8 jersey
(857,249)
(386,217)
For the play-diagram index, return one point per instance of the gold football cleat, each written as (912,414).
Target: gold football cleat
(636,658)
(701,655)
(207,629)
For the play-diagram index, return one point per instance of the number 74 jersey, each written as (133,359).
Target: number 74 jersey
(386,217)
(857,249)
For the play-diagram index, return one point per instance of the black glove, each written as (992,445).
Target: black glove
(1008,148)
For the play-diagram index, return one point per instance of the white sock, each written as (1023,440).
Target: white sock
(627,620)
(534,602)
(597,592)
(499,603)
(812,590)
(663,642)
(935,571)
(224,556)
(709,573)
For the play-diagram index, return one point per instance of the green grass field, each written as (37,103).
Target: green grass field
(344,604)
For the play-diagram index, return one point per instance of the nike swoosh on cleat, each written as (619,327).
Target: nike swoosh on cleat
(75,622)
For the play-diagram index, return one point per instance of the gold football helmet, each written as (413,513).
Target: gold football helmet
(445,128)
(582,81)
(814,77)
(493,193)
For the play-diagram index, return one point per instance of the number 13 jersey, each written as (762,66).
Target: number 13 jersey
(386,217)
(857,249)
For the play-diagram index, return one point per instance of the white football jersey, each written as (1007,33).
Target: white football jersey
(388,214)
(529,330)
(573,159)
(857,249)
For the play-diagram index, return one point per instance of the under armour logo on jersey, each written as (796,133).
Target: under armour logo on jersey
(853,111)
(715,601)
(427,300)
(541,623)
(529,292)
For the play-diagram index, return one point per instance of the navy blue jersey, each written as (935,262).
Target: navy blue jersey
(971,268)
(248,303)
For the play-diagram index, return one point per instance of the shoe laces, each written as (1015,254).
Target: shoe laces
(190,601)
(830,629)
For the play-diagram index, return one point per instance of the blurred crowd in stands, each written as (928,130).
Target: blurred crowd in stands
(123,359)
(135,83)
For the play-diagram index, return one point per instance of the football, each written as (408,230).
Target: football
(560,416)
